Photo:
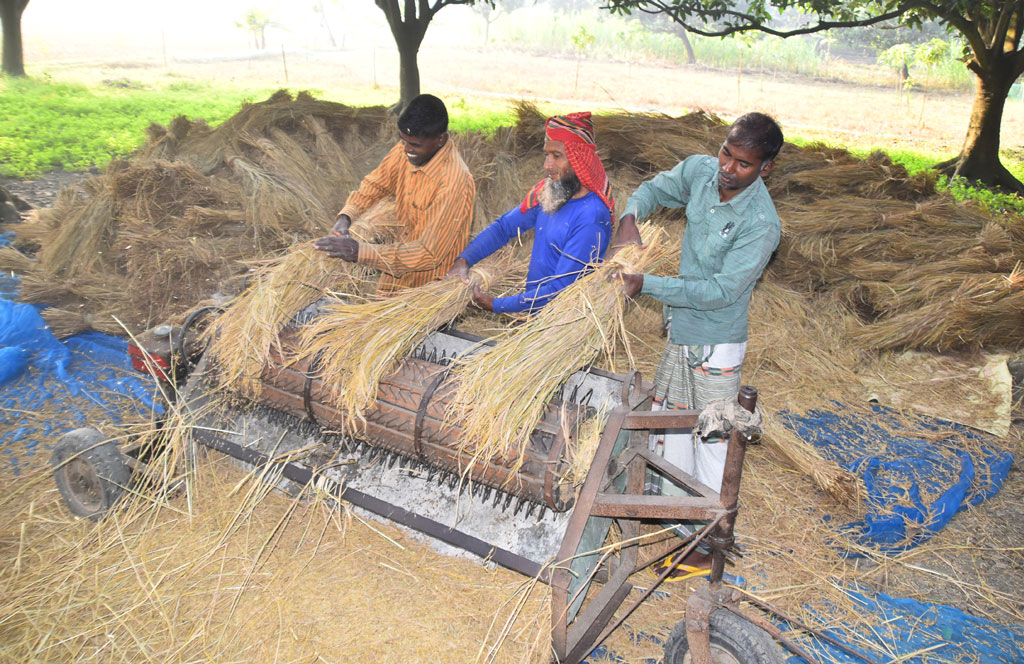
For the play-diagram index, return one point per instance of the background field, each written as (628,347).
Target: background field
(530,55)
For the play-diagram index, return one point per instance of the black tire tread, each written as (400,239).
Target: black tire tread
(106,460)
(750,643)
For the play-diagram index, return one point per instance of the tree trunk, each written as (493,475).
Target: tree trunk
(10,16)
(979,158)
(691,59)
(408,72)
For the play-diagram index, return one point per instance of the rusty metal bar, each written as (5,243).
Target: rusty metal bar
(661,578)
(729,494)
(596,615)
(661,419)
(624,506)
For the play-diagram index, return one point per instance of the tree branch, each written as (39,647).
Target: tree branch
(1001,25)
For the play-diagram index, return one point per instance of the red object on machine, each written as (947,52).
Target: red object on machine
(148,363)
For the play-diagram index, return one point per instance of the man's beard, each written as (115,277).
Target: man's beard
(556,193)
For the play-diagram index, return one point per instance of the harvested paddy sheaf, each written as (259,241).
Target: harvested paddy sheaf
(872,260)
(359,343)
(247,332)
(503,390)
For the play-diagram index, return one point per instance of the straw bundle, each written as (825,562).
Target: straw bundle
(796,356)
(973,311)
(269,202)
(359,344)
(12,260)
(503,390)
(64,323)
(76,247)
(246,333)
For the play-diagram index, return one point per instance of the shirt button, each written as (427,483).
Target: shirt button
(712,210)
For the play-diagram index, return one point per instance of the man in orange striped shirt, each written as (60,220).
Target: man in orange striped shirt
(433,191)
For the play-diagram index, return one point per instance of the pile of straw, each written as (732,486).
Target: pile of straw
(359,344)
(153,236)
(503,390)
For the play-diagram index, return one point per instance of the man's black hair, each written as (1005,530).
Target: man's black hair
(425,116)
(757,130)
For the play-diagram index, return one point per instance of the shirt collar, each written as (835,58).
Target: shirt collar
(741,201)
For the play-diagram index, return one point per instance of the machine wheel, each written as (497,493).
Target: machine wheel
(90,474)
(733,641)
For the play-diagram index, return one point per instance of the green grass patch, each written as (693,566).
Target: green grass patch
(992,201)
(46,125)
(484,116)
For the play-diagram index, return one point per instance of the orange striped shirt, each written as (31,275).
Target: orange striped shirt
(434,201)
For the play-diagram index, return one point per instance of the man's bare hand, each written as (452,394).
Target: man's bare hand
(460,270)
(338,246)
(633,283)
(626,233)
(341,225)
(482,299)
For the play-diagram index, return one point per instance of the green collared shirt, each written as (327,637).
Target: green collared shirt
(725,248)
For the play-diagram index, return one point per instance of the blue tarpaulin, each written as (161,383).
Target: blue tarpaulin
(915,483)
(48,387)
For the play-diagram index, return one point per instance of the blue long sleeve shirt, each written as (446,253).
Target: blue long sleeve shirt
(564,242)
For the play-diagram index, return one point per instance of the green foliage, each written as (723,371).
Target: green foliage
(994,201)
(622,38)
(463,117)
(582,38)
(46,125)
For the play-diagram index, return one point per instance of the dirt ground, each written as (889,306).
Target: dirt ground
(981,552)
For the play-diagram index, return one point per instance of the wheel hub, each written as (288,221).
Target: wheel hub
(85,485)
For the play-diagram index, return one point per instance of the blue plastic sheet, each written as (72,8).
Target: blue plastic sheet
(900,627)
(915,484)
(935,633)
(49,387)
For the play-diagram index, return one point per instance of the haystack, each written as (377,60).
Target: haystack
(153,236)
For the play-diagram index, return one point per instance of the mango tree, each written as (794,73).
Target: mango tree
(990,29)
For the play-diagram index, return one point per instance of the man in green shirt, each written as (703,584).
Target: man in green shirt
(732,230)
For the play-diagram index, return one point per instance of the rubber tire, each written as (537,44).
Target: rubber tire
(732,636)
(90,474)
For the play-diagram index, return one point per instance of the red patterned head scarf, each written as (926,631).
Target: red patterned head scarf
(576,130)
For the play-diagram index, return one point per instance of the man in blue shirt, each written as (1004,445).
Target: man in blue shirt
(569,212)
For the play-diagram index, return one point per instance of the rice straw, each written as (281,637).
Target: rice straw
(359,344)
(247,332)
(503,390)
